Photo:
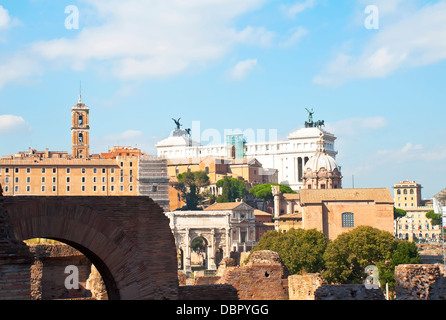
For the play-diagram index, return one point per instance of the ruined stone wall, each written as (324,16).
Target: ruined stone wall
(303,287)
(420,282)
(263,278)
(207,292)
(48,272)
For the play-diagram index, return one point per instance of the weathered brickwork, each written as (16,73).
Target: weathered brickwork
(48,272)
(420,282)
(127,238)
(207,292)
(303,287)
(263,278)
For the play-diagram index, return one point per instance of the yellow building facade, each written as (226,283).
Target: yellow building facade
(407,194)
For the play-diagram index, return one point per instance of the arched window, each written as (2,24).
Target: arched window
(405,191)
(348,220)
(398,191)
(411,191)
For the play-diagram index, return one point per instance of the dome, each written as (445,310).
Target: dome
(321,160)
(321,171)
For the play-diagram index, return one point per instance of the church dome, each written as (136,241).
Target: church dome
(321,171)
(321,160)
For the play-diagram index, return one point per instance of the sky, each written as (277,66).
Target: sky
(374,71)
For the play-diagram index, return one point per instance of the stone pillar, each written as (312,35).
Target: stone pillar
(211,252)
(228,243)
(187,253)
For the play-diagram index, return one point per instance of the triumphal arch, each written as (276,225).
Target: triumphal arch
(224,228)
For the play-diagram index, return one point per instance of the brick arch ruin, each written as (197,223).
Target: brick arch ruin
(128,239)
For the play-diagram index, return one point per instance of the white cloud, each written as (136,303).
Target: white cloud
(242,68)
(140,38)
(292,10)
(10,124)
(352,127)
(129,138)
(6,21)
(416,39)
(295,35)
(18,68)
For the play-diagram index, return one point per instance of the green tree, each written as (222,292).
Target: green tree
(300,250)
(434,217)
(264,192)
(232,189)
(406,252)
(350,253)
(189,185)
(398,213)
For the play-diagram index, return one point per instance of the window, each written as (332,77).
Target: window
(16,179)
(54,170)
(68,170)
(154,188)
(103,170)
(43,179)
(28,188)
(28,170)
(6,170)
(83,188)
(28,179)
(83,170)
(68,188)
(83,179)
(348,220)
(43,170)
(54,188)
(43,188)
(94,170)
(16,170)
(112,170)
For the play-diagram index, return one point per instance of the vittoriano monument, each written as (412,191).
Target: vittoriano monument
(178,131)
(310,123)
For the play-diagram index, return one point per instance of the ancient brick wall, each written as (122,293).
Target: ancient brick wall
(303,287)
(347,292)
(127,238)
(48,272)
(420,282)
(263,278)
(207,292)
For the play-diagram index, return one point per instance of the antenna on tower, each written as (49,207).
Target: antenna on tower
(80,91)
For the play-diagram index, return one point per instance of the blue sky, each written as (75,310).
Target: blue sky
(231,64)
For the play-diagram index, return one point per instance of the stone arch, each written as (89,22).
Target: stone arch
(128,239)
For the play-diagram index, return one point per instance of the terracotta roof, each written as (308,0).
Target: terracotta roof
(379,195)
(225,206)
(296,215)
(291,196)
(261,213)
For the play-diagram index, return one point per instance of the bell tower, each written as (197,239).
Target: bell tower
(80,130)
